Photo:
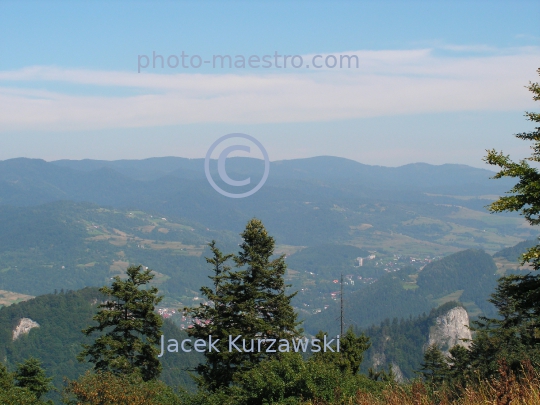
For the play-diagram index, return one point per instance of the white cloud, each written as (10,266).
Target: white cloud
(387,83)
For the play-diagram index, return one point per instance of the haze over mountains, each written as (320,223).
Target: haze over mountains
(422,233)
(160,212)
(304,201)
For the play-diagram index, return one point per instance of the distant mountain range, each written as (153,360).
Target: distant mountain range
(161,212)
(421,231)
(304,202)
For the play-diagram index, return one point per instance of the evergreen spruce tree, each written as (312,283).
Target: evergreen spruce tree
(31,376)
(459,366)
(350,355)
(249,301)
(6,378)
(131,328)
(31,384)
(515,334)
(214,318)
(435,368)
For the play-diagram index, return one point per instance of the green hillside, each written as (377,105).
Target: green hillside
(66,245)
(327,260)
(412,209)
(514,253)
(57,341)
(468,276)
(401,341)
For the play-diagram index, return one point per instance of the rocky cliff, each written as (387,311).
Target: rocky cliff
(401,343)
(23,327)
(450,329)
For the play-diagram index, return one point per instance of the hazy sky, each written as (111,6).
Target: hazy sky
(436,81)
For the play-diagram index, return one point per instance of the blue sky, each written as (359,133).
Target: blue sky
(437,82)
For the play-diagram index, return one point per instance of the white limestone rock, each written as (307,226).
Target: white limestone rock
(23,327)
(450,329)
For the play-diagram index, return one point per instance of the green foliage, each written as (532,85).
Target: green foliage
(472,271)
(132,328)
(514,253)
(6,378)
(58,339)
(219,312)
(289,379)
(31,376)
(350,355)
(434,368)
(19,396)
(24,387)
(112,389)
(515,334)
(250,301)
(459,367)
(401,342)
(525,194)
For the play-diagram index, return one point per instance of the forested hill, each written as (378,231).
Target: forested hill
(67,245)
(514,253)
(468,276)
(57,341)
(441,178)
(304,202)
(402,342)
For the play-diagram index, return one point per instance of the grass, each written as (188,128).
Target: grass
(401,244)
(9,297)
(287,249)
(455,296)
(503,266)
(506,390)
(476,229)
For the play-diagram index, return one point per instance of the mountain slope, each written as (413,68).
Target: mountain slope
(65,245)
(400,343)
(468,276)
(57,341)
(305,201)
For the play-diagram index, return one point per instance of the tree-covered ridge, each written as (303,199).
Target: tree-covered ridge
(66,245)
(471,271)
(514,253)
(328,260)
(307,202)
(73,245)
(57,342)
(402,342)
(468,276)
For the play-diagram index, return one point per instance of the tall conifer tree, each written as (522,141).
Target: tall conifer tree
(132,328)
(249,301)
(515,335)
(31,376)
